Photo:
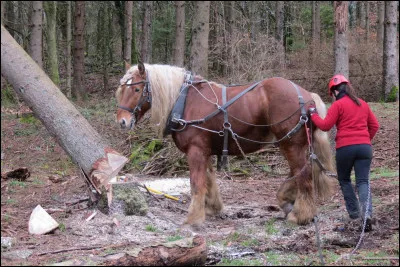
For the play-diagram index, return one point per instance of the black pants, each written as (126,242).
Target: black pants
(359,157)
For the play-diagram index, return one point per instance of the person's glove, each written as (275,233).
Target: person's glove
(312,110)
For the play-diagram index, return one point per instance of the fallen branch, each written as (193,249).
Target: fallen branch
(67,249)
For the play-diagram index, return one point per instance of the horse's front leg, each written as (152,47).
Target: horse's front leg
(198,184)
(295,196)
(213,198)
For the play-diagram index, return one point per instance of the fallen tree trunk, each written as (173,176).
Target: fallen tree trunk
(191,251)
(75,135)
(194,254)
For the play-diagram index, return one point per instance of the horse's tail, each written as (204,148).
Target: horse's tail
(323,184)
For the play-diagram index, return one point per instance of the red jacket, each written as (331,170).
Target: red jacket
(355,124)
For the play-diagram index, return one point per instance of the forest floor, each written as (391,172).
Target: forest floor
(251,230)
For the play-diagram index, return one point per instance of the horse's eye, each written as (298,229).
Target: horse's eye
(137,89)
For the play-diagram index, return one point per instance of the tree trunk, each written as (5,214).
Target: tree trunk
(341,43)
(179,48)
(366,36)
(35,45)
(361,13)
(352,14)
(128,31)
(134,57)
(10,17)
(279,18)
(3,10)
(200,32)
(390,53)
(60,117)
(229,23)
(146,32)
(161,255)
(316,24)
(50,8)
(69,43)
(380,25)
(79,90)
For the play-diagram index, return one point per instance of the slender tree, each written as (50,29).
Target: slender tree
(279,21)
(146,32)
(50,8)
(3,10)
(200,34)
(179,48)
(341,43)
(316,24)
(380,25)
(229,24)
(366,7)
(69,43)
(35,44)
(390,53)
(128,31)
(79,90)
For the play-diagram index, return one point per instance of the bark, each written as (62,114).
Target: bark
(128,31)
(352,14)
(146,32)
(69,43)
(316,24)
(50,8)
(341,43)
(279,18)
(390,50)
(253,17)
(200,35)
(10,17)
(361,13)
(79,90)
(380,25)
(35,45)
(60,117)
(179,48)
(165,255)
(366,36)
(229,18)
(3,8)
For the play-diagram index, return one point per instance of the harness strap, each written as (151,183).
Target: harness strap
(226,130)
(301,100)
(230,102)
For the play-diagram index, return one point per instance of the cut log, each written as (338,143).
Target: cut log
(191,251)
(185,252)
(60,117)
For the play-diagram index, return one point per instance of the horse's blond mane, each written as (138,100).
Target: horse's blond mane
(165,82)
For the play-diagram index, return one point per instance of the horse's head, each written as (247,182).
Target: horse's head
(133,96)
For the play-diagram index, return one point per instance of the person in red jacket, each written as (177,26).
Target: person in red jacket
(356,126)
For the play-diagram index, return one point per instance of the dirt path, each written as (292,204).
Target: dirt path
(250,231)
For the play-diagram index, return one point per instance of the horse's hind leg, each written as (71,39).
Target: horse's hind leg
(298,190)
(198,184)
(213,199)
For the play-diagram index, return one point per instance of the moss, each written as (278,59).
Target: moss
(393,94)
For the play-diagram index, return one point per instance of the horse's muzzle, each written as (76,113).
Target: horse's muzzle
(126,125)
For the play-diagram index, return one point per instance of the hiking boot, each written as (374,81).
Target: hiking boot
(368,225)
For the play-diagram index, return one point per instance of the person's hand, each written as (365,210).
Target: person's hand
(312,110)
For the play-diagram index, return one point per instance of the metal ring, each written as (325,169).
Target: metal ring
(227,125)
(221,133)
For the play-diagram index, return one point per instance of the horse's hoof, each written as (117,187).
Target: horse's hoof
(292,218)
(287,208)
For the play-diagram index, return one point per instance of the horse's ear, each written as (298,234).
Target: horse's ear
(141,68)
(127,65)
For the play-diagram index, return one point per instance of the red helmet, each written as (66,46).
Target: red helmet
(337,79)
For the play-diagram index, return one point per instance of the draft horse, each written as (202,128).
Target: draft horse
(243,117)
